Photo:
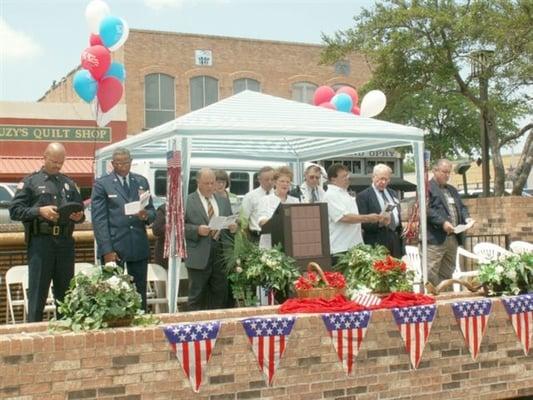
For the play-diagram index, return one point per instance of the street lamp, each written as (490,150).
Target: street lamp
(479,63)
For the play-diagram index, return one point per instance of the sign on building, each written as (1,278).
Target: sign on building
(55,133)
(203,57)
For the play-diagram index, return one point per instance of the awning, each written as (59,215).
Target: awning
(360,183)
(13,169)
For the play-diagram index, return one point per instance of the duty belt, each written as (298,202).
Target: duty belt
(43,228)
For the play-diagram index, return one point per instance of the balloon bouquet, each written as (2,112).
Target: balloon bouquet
(99,82)
(346,99)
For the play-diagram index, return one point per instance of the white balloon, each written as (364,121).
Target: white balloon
(95,11)
(373,103)
(123,38)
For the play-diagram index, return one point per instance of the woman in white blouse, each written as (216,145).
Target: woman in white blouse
(280,194)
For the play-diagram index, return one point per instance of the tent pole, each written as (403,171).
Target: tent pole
(418,148)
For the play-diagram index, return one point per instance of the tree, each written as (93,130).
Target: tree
(420,54)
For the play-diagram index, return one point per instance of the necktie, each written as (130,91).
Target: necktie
(210,209)
(314,197)
(126,186)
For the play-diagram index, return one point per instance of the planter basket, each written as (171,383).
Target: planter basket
(326,293)
(119,322)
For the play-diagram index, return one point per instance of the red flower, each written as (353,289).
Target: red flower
(311,280)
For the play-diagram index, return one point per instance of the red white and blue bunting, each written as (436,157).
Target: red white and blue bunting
(520,311)
(472,317)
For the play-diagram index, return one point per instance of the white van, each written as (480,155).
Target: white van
(242,174)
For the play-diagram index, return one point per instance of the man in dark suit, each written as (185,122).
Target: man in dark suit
(445,211)
(208,283)
(376,199)
(122,238)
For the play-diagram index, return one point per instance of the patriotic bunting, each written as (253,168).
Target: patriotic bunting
(347,331)
(367,299)
(472,317)
(193,345)
(268,337)
(415,324)
(520,310)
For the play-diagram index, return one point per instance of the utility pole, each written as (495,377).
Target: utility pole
(479,69)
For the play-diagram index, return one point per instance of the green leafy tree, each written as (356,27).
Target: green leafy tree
(420,53)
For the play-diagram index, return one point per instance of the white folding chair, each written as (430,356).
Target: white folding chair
(459,273)
(17,275)
(519,247)
(156,286)
(412,260)
(490,251)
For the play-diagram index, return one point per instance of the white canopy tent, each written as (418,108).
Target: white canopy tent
(256,126)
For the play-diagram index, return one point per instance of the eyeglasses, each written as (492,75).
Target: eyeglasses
(313,176)
(121,163)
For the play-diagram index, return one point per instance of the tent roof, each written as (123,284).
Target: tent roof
(252,125)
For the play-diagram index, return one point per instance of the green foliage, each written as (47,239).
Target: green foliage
(106,294)
(356,265)
(508,275)
(420,56)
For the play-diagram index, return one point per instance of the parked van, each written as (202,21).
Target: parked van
(7,192)
(242,174)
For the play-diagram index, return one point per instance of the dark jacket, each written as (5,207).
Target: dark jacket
(438,212)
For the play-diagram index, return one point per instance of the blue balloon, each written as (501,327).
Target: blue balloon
(343,102)
(117,70)
(111,30)
(85,85)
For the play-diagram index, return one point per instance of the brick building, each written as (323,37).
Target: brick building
(170,74)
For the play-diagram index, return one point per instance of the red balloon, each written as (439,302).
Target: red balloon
(95,40)
(356,110)
(96,59)
(329,105)
(323,94)
(109,93)
(350,91)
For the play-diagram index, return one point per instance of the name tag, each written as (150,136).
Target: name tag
(111,196)
(451,200)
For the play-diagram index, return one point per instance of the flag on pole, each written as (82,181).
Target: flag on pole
(175,225)
(347,331)
(415,324)
(268,337)
(367,299)
(472,317)
(193,345)
(520,311)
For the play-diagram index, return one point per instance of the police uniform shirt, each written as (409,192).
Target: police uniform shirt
(39,190)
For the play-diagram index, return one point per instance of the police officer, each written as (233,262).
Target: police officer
(49,240)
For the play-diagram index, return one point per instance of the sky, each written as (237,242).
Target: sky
(41,40)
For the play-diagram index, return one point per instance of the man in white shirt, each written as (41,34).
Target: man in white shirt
(250,203)
(311,191)
(344,219)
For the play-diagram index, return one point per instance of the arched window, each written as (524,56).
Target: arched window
(204,91)
(159,99)
(303,91)
(339,85)
(246,84)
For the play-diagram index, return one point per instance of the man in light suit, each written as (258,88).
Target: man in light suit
(310,191)
(375,199)
(122,238)
(208,283)
(445,211)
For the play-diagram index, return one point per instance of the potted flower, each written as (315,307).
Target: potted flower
(509,275)
(320,284)
(104,297)
(390,275)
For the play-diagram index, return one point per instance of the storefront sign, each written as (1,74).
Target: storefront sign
(55,133)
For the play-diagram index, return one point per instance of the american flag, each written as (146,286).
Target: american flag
(173,159)
(520,310)
(193,345)
(347,331)
(472,317)
(268,337)
(367,299)
(415,324)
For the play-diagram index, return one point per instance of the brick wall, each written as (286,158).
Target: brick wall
(512,215)
(135,363)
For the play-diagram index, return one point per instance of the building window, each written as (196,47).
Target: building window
(204,91)
(239,183)
(246,84)
(159,99)
(303,92)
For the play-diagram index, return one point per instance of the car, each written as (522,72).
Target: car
(7,191)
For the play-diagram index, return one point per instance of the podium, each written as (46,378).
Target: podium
(303,232)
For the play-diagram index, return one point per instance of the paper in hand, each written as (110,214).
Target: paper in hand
(463,227)
(134,207)
(218,223)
